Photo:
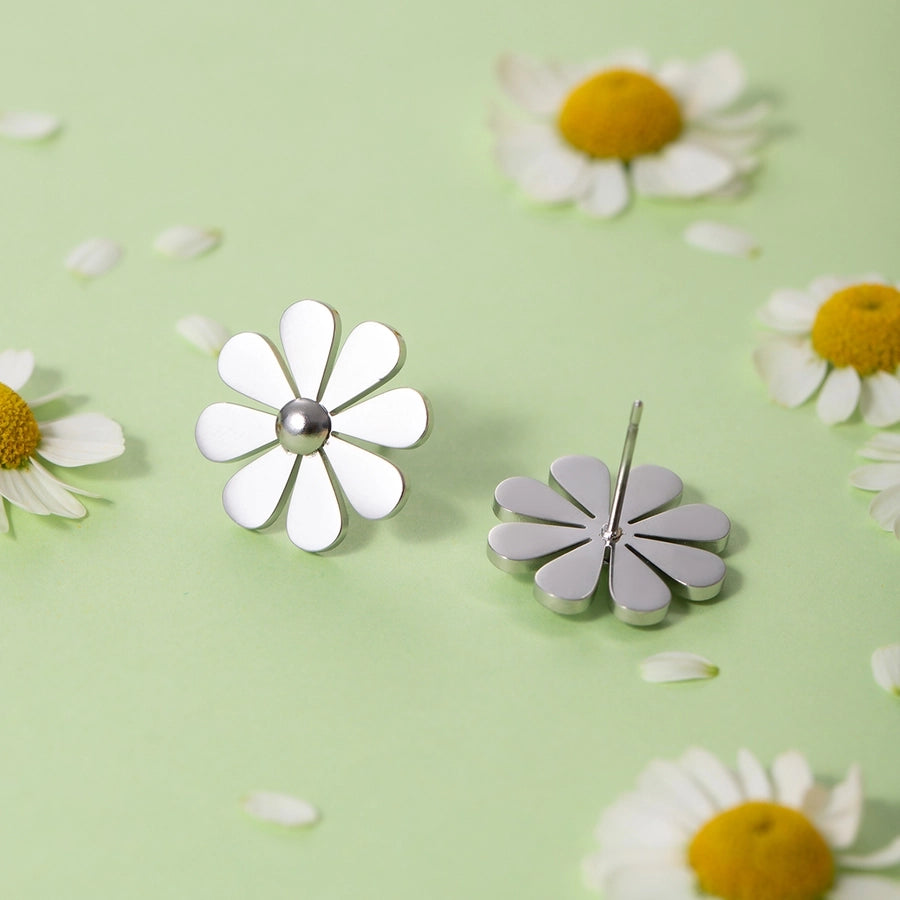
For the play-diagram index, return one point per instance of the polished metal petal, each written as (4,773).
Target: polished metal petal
(639,595)
(250,364)
(252,496)
(567,584)
(693,573)
(525,546)
(696,523)
(315,516)
(227,431)
(310,332)
(650,489)
(374,487)
(397,418)
(585,479)
(520,499)
(372,354)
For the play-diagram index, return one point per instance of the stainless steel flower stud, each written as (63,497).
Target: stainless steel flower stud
(570,530)
(304,447)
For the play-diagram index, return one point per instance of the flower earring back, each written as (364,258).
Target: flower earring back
(305,449)
(570,530)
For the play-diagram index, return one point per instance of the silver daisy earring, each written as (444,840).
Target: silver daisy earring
(304,447)
(570,530)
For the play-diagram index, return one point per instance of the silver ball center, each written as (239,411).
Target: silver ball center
(302,426)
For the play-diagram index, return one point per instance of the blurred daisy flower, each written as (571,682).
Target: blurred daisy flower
(76,440)
(841,334)
(882,476)
(600,130)
(695,828)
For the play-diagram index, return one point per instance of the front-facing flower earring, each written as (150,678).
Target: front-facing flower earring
(305,443)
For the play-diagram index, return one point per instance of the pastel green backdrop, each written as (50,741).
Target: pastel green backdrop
(158,662)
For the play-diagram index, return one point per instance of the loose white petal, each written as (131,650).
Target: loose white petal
(283,809)
(675,665)
(880,859)
(719,238)
(16,367)
(885,509)
(790,368)
(93,257)
(28,126)
(879,400)
(187,241)
(886,668)
(839,395)
(204,333)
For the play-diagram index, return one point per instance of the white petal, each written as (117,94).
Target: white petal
(681,170)
(397,418)
(315,518)
(864,887)
(790,312)
(536,158)
(734,146)
(740,120)
(754,779)
(16,367)
(34,489)
(374,487)
(283,809)
(719,238)
(886,668)
(250,364)
(204,333)
(187,241)
(93,257)
(885,509)
(28,126)
(676,665)
(876,477)
(606,193)
(839,395)
(792,777)
(790,368)
(713,776)
(879,400)
(537,87)
(227,431)
(252,496)
(880,446)
(824,286)
(674,881)
(880,859)
(839,818)
(371,355)
(677,788)
(310,332)
(81,440)
(712,84)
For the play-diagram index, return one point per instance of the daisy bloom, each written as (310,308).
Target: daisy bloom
(76,440)
(695,828)
(840,334)
(882,476)
(598,130)
(318,406)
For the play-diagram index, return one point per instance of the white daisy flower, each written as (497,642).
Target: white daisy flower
(882,476)
(76,440)
(317,403)
(695,828)
(841,334)
(599,130)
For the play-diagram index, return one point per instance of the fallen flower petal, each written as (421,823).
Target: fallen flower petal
(187,241)
(94,257)
(676,665)
(282,809)
(204,333)
(718,238)
(28,126)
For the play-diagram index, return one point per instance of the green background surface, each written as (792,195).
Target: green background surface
(157,661)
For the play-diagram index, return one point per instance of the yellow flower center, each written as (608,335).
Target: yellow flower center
(620,114)
(860,327)
(761,851)
(19,433)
